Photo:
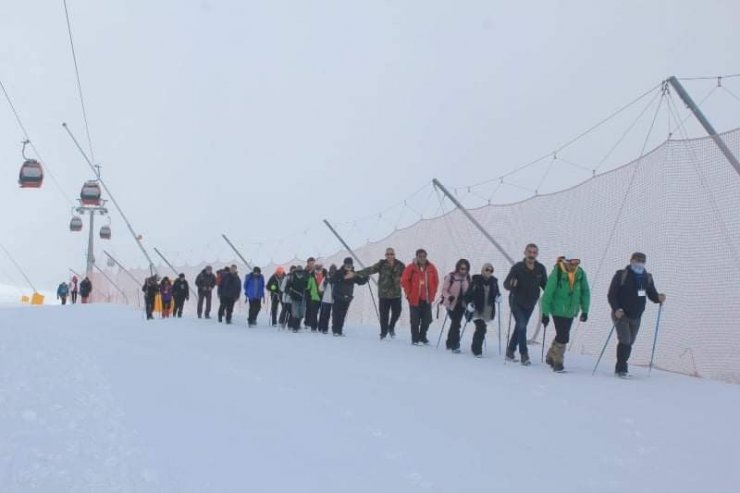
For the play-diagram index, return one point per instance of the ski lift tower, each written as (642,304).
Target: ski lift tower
(91,203)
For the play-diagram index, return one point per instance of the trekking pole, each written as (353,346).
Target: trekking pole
(439,339)
(655,339)
(544,334)
(508,333)
(463,329)
(603,349)
(499,328)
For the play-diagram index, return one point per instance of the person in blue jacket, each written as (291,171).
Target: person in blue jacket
(63,292)
(254,291)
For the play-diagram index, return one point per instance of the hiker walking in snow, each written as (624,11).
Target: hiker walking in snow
(205,282)
(389,272)
(566,295)
(62,292)
(273,287)
(481,299)
(254,292)
(220,276)
(420,281)
(628,293)
(74,290)
(313,302)
(524,282)
(230,290)
(85,290)
(297,290)
(287,300)
(180,293)
(165,290)
(151,290)
(327,300)
(454,287)
(343,291)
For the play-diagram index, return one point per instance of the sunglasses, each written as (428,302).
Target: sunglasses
(571,261)
(390,254)
(487,270)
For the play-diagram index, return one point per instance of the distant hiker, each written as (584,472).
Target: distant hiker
(316,276)
(274,288)
(420,281)
(205,282)
(327,300)
(566,295)
(389,272)
(629,290)
(85,290)
(230,289)
(254,292)
(165,290)
(454,288)
(343,292)
(73,289)
(524,282)
(63,292)
(220,276)
(180,293)
(482,298)
(297,290)
(151,290)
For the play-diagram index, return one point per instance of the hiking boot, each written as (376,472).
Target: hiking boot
(558,367)
(456,350)
(526,361)
(550,362)
(510,356)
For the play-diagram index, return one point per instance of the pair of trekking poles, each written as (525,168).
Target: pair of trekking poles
(467,320)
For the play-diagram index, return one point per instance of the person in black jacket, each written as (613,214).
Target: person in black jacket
(628,293)
(180,293)
(273,287)
(524,282)
(231,288)
(343,291)
(482,298)
(205,282)
(151,290)
(85,289)
(296,288)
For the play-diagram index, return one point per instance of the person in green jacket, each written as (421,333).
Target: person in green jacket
(566,294)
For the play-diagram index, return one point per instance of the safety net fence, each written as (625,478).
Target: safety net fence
(678,204)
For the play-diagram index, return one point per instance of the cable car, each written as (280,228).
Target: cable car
(105,232)
(75,224)
(90,193)
(31,174)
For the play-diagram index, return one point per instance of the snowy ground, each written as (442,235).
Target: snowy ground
(94,398)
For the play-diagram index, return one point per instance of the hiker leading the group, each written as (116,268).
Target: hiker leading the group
(454,287)
(566,295)
(420,281)
(254,291)
(482,298)
(389,272)
(628,293)
(180,293)
(524,282)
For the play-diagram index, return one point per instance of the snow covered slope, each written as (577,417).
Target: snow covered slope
(94,398)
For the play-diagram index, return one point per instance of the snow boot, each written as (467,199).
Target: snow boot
(510,356)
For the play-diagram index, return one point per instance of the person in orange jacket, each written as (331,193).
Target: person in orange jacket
(420,281)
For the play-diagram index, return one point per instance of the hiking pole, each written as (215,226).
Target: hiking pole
(508,332)
(655,339)
(544,334)
(603,349)
(499,328)
(439,339)
(463,329)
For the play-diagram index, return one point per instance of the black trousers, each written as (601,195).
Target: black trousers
(284,318)
(421,319)
(339,313)
(179,305)
(312,314)
(149,307)
(204,296)
(453,335)
(390,311)
(324,317)
(478,337)
(74,297)
(226,308)
(64,300)
(254,310)
(562,329)
(274,307)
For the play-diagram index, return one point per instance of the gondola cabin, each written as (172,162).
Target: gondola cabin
(105,232)
(90,193)
(75,224)
(31,174)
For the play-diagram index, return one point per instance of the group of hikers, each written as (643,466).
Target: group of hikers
(319,298)
(72,290)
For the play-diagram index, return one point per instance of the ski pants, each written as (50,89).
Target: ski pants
(519,337)
(74,297)
(420,318)
(339,313)
(204,296)
(226,308)
(297,311)
(284,318)
(312,313)
(453,335)
(179,305)
(149,307)
(64,300)
(325,317)
(627,329)
(562,329)
(254,310)
(274,307)
(478,337)
(390,311)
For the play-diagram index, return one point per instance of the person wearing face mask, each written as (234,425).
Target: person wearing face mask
(628,293)
(454,288)
(566,294)
(524,282)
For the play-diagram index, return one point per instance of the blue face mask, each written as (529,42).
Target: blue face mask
(638,268)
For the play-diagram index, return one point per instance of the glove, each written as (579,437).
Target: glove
(584,317)
(545,320)
(470,308)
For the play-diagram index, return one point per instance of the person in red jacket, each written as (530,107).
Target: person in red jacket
(420,281)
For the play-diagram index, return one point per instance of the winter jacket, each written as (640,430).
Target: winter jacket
(529,282)
(62,290)
(231,286)
(420,284)
(181,289)
(389,277)
(150,289)
(273,285)
(344,289)
(315,284)
(297,285)
(485,307)
(284,289)
(560,299)
(327,295)
(254,286)
(85,288)
(205,282)
(624,292)
(454,288)
(165,289)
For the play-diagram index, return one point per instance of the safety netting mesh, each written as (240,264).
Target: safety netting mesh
(678,204)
